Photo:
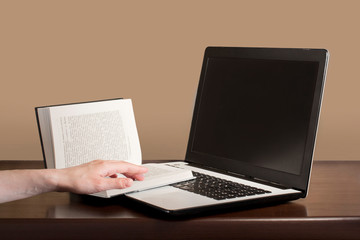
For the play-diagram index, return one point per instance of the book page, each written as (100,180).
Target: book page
(97,130)
(156,170)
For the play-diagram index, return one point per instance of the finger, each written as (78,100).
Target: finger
(118,183)
(139,177)
(125,168)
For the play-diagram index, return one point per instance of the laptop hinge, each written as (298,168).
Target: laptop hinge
(233,174)
(265,182)
(258,180)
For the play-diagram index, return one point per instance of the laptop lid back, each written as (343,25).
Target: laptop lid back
(257,111)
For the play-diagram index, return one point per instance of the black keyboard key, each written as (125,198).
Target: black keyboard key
(217,188)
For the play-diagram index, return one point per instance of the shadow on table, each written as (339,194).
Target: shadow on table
(84,206)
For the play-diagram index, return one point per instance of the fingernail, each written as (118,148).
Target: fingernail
(129,182)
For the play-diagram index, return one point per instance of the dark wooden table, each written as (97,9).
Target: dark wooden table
(331,211)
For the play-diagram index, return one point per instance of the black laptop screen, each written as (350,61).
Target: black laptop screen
(256,111)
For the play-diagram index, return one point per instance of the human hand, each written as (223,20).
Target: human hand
(97,176)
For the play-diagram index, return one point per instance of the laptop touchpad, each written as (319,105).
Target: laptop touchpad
(171,198)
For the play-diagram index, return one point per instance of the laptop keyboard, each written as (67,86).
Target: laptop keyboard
(217,188)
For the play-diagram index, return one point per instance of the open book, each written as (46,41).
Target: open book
(73,134)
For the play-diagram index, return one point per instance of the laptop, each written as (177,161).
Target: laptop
(253,130)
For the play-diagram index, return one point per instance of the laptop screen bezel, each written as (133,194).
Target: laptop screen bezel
(299,182)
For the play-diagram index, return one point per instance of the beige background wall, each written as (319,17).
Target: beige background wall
(55,52)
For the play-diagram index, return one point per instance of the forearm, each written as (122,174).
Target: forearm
(18,184)
(88,178)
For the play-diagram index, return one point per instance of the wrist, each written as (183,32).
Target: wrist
(51,179)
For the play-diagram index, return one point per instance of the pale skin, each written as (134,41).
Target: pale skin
(92,177)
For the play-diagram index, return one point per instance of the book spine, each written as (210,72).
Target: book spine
(41,138)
